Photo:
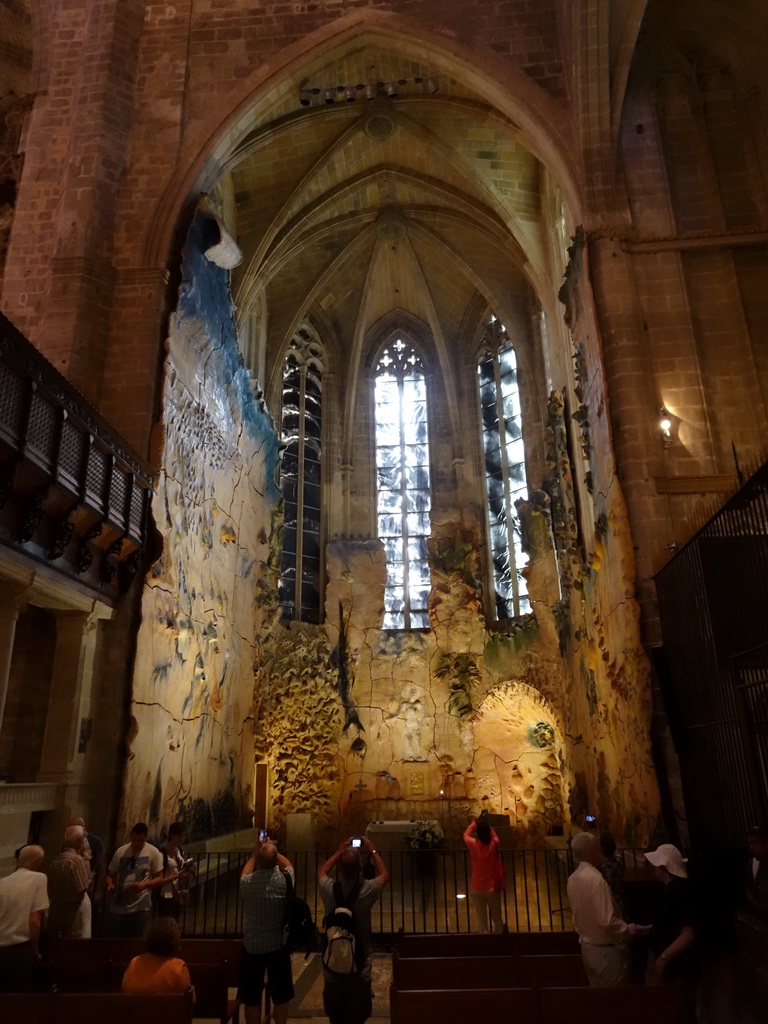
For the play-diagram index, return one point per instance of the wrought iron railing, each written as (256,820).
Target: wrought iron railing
(428,892)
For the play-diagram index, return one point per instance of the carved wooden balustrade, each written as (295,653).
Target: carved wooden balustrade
(72,493)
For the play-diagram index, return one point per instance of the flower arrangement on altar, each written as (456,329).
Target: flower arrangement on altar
(425,835)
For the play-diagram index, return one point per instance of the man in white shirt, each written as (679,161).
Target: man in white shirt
(603,935)
(23,898)
(131,873)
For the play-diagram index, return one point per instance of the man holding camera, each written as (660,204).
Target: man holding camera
(348,998)
(263,889)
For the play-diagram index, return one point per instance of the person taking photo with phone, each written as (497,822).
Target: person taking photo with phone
(487,881)
(348,998)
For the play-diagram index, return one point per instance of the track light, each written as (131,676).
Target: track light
(370,90)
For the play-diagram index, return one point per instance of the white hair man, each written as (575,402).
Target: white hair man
(69,879)
(263,889)
(23,898)
(602,933)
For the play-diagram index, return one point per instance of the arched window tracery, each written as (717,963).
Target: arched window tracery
(504,465)
(299,588)
(403,498)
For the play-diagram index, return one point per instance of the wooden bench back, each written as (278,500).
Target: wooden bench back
(488,971)
(91,952)
(457,1006)
(629,1004)
(495,944)
(94,1008)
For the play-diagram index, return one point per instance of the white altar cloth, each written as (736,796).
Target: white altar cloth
(391,835)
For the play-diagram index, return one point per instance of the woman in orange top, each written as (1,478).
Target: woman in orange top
(483,845)
(158,971)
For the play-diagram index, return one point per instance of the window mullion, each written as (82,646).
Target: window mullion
(508,514)
(404,508)
(302,432)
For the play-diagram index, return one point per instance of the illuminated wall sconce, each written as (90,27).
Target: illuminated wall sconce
(665,426)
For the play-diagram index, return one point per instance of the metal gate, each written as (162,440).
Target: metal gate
(713,604)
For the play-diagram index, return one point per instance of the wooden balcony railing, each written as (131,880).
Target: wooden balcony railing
(72,493)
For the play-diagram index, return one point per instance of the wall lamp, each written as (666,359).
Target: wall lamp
(665,426)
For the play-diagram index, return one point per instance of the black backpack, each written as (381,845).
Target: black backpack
(302,934)
(341,948)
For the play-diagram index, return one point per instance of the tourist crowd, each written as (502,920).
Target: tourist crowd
(143,890)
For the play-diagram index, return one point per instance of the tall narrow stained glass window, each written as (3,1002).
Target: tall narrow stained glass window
(300,430)
(504,467)
(402,484)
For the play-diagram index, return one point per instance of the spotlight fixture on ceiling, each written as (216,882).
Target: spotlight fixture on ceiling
(370,90)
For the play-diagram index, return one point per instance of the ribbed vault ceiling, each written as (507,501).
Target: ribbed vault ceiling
(426,204)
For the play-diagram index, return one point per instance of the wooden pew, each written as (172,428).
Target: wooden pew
(94,1008)
(414,973)
(211,984)
(117,1008)
(487,971)
(457,1006)
(26,1008)
(492,944)
(120,951)
(629,1004)
(210,981)
(550,970)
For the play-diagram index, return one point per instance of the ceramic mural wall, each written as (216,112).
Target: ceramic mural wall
(544,721)
(211,592)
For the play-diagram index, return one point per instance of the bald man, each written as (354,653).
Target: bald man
(23,899)
(265,935)
(69,879)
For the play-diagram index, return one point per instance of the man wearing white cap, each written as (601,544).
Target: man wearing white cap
(602,933)
(672,934)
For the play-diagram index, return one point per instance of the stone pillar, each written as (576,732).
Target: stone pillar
(12,598)
(71,681)
(634,405)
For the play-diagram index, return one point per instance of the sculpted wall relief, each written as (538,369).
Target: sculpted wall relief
(211,591)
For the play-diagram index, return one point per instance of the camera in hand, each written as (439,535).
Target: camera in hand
(356,842)
(483,814)
(263,835)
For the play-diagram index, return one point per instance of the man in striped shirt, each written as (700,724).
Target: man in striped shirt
(265,934)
